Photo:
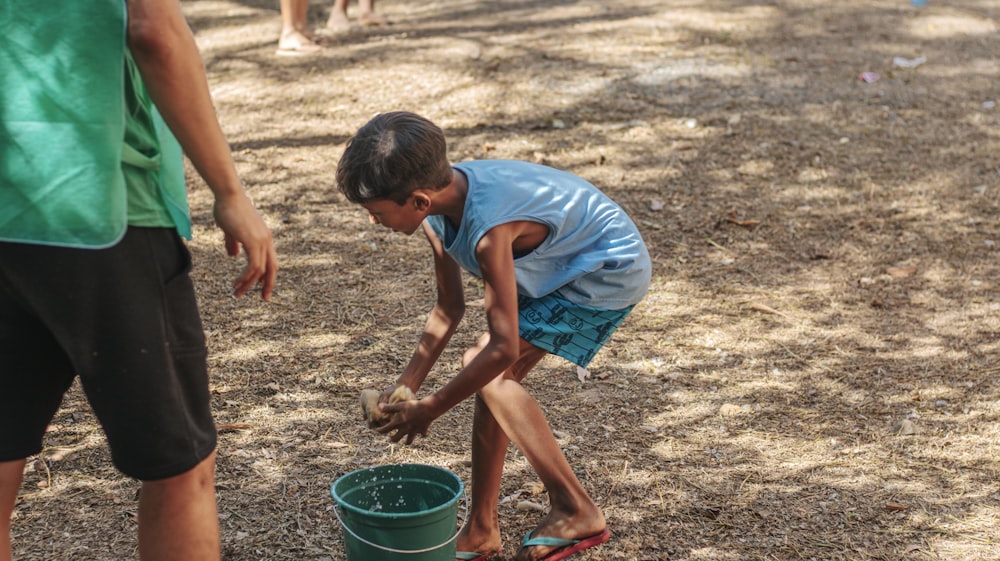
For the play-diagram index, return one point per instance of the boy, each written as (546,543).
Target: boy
(562,266)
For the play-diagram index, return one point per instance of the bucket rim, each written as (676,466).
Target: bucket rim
(341,503)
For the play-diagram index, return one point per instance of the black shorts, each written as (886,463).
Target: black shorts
(125,320)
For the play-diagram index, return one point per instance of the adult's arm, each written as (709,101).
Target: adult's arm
(168,59)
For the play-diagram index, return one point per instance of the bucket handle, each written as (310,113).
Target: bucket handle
(465,515)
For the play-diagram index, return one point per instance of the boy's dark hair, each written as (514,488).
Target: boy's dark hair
(391,156)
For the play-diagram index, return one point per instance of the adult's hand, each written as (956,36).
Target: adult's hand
(168,59)
(244,227)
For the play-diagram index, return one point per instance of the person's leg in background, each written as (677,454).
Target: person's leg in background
(296,37)
(367,16)
(338,21)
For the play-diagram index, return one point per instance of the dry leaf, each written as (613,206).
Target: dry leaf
(906,428)
(732,219)
(229,427)
(742,222)
(56,454)
(526,506)
(729,410)
(765,309)
(894,507)
(534,487)
(901,271)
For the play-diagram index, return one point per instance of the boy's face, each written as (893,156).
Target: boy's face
(405,218)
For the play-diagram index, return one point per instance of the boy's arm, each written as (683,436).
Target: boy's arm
(496,261)
(168,59)
(443,319)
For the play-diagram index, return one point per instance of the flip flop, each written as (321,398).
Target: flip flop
(473,556)
(565,547)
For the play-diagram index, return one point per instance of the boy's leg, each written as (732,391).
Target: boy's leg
(573,514)
(10,481)
(481,532)
(178,518)
(489,449)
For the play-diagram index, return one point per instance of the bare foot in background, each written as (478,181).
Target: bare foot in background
(297,43)
(371,19)
(338,22)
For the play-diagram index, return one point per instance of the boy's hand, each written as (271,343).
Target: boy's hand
(408,418)
(370,400)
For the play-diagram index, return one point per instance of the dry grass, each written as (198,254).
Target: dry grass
(826,268)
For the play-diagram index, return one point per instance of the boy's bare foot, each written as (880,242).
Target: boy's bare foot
(491,555)
(485,545)
(371,19)
(296,43)
(338,22)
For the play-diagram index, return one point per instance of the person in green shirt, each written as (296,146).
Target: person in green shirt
(94,275)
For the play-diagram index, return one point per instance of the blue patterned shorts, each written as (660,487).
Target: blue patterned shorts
(572,331)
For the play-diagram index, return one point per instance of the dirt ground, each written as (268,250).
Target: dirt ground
(814,374)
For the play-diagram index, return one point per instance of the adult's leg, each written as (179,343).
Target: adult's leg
(154,381)
(10,481)
(35,373)
(178,520)
(573,514)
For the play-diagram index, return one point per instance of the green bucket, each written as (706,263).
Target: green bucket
(398,512)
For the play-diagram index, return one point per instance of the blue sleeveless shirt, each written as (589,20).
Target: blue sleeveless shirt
(593,256)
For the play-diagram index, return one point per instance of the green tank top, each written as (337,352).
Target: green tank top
(83,151)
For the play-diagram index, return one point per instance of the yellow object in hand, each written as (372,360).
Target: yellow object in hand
(369,404)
